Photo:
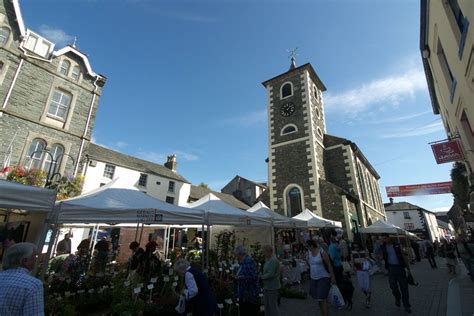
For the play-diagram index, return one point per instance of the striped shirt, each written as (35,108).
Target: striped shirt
(20,293)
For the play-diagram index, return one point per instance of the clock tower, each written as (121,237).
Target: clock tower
(296,130)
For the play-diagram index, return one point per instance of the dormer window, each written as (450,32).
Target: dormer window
(286,90)
(38,45)
(65,65)
(4,35)
(76,73)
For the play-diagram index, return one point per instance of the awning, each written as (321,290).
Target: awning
(315,221)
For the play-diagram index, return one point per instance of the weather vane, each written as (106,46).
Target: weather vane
(292,56)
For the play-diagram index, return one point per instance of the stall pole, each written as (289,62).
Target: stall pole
(202,252)
(93,242)
(141,234)
(54,236)
(174,239)
(208,239)
(136,232)
(273,238)
(165,242)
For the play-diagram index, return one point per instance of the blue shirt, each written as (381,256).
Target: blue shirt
(335,254)
(20,293)
(391,255)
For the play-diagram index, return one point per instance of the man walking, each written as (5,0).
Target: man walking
(396,263)
(271,282)
(429,249)
(64,246)
(20,293)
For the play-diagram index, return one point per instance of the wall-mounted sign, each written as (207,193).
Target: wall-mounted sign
(419,189)
(449,151)
(149,216)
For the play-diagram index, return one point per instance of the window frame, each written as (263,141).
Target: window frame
(58,104)
(170,199)
(319,131)
(56,164)
(286,200)
(7,38)
(141,181)
(171,187)
(446,69)
(106,173)
(406,215)
(281,90)
(283,133)
(67,69)
(29,160)
(78,73)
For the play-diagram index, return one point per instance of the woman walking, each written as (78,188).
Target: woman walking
(247,285)
(361,264)
(321,274)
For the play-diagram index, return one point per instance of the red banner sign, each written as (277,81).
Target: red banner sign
(419,189)
(447,151)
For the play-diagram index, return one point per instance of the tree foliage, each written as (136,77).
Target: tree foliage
(460,187)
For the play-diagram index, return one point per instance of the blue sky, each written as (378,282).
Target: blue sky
(185,77)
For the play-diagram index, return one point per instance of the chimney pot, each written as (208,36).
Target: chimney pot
(171,163)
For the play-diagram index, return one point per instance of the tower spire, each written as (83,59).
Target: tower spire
(292,56)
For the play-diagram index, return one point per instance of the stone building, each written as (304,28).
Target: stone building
(49,98)
(160,181)
(245,190)
(309,169)
(447,49)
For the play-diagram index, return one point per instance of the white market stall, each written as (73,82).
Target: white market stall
(26,197)
(277,220)
(382,227)
(314,221)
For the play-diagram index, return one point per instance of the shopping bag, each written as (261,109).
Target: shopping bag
(347,267)
(181,307)
(335,297)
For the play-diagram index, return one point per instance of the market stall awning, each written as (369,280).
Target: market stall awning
(220,213)
(14,195)
(118,202)
(278,220)
(382,227)
(314,221)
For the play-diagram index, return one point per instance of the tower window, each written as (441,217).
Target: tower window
(319,131)
(288,129)
(318,114)
(4,35)
(286,90)
(316,94)
(293,202)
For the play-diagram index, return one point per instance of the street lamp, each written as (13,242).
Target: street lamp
(49,176)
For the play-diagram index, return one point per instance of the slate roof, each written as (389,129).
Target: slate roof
(106,155)
(198,192)
(330,140)
(403,206)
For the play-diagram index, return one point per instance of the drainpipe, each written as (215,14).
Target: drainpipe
(15,77)
(81,149)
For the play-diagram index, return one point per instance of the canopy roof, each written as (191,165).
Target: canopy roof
(25,197)
(315,221)
(120,202)
(382,227)
(278,220)
(220,213)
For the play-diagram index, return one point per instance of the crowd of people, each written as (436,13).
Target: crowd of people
(330,262)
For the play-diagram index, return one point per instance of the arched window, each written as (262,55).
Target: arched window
(315,90)
(57,152)
(35,154)
(320,132)
(293,201)
(76,72)
(318,114)
(4,35)
(65,65)
(288,129)
(286,90)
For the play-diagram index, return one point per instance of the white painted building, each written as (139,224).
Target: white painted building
(413,218)
(159,181)
(446,230)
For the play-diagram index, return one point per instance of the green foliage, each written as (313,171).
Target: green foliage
(203,185)
(225,245)
(68,187)
(256,253)
(460,188)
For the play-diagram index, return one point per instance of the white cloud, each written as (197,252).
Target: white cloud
(441,209)
(400,118)
(387,90)
(120,144)
(186,16)
(56,35)
(251,119)
(423,130)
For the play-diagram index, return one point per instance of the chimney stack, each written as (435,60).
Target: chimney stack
(171,163)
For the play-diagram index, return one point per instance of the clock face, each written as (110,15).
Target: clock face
(287,109)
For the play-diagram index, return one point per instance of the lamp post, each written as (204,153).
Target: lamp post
(50,176)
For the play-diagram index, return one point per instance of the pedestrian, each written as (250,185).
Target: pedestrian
(83,247)
(416,248)
(344,249)
(136,261)
(321,276)
(449,252)
(396,263)
(196,289)
(20,293)
(335,253)
(102,248)
(271,282)
(430,254)
(247,285)
(64,246)
(379,255)
(361,264)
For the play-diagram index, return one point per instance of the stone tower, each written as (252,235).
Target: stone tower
(296,135)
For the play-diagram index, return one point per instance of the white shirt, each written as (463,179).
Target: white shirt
(317,269)
(191,289)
